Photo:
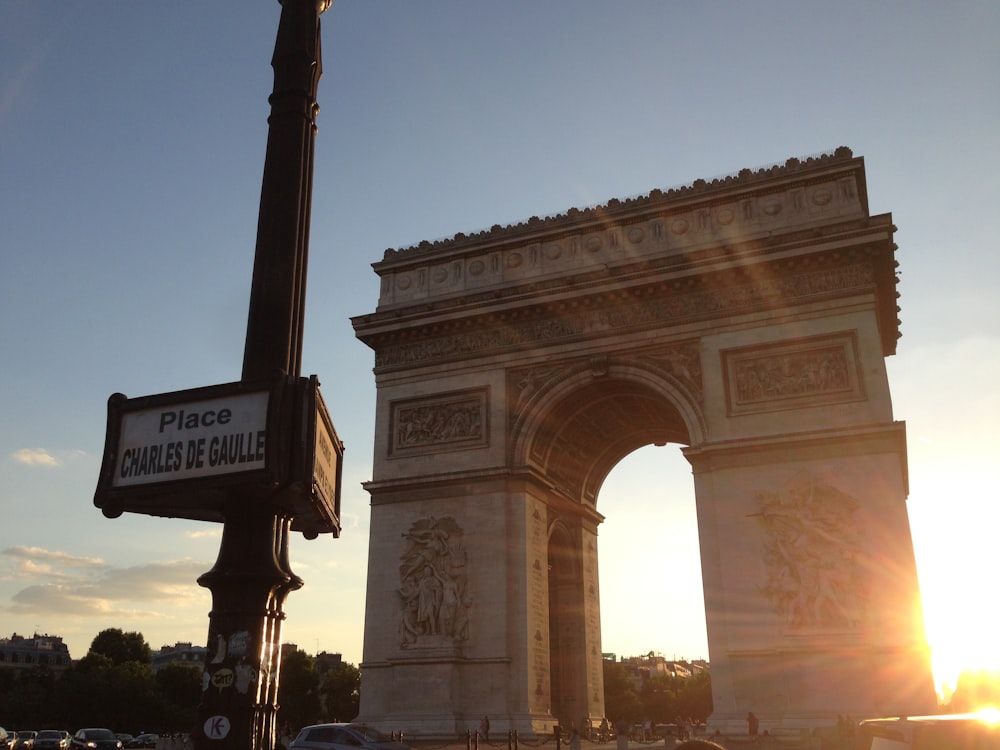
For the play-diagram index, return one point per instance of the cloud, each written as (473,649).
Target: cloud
(89,587)
(36,563)
(206,533)
(48,597)
(35,457)
(166,581)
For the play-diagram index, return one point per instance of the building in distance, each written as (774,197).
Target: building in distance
(18,652)
(179,653)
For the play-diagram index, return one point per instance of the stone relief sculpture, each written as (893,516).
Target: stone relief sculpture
(793,374)
(811,555)
(457,419)
(439,423)
(433,584)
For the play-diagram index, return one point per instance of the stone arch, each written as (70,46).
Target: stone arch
(609,415)
(747,319)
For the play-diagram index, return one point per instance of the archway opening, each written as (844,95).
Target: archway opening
(652,595)
(591,429)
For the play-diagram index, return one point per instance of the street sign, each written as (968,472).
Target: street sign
(224,435)
(206,452)
(323,465)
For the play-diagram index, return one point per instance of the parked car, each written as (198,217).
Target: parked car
(967,731)
(52,739)
(96,738)
(125,737)
(343,737)
(23,740)
(143,740)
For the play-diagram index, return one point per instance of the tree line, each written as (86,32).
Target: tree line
(114,686)
(660,699)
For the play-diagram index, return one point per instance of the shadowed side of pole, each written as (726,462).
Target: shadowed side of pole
(251,577)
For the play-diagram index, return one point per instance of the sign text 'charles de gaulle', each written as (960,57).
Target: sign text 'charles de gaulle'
(205,452)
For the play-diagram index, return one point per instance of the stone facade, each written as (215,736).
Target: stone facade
(19,652)
(183,653)
(746,319)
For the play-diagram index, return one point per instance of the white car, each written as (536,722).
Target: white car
(942,732)
(343,737)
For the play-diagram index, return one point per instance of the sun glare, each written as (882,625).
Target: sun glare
(990,715)
(954,559)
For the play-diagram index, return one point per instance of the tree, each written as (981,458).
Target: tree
(340,691)
(620,700)
(298,690)
(179,687)
(659,698)
(26,696)
(121,647)
(695,701)
(98,692)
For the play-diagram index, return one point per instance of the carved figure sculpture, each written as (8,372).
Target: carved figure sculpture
(811,554)
(433,583)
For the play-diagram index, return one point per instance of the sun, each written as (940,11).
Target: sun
(957,565)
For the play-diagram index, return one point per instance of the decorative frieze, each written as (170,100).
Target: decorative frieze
(793,374)
(453,420)
(680,363)
(643,309)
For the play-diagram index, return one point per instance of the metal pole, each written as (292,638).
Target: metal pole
(251,577)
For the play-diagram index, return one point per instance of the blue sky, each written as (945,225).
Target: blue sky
(132,139)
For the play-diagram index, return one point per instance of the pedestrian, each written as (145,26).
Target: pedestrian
(574,738)
(752,724)
(484,728)
(621,733)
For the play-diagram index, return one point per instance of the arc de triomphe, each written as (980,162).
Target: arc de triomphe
(746,319)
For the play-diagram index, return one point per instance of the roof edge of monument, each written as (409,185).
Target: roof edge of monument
(747,177)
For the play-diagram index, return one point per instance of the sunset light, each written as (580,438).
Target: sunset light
(134,136)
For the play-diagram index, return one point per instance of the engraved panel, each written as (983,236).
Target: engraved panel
(813,555)
(457,420)
(793,374)
(682,363)
(433,585)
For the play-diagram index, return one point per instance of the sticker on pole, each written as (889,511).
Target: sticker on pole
(216,727)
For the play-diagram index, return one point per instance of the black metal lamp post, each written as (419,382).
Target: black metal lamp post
(251,577)
(260,455)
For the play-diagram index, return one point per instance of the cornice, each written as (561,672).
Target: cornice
(734,253)
(699,192)
(542,280)
(612,311)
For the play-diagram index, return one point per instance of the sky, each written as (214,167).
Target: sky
(132,139)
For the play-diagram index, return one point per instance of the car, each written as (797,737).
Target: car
(980,731)
(125,737)
(52,739)
(143,740)
(23,740)
(96,738)
(343,737)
